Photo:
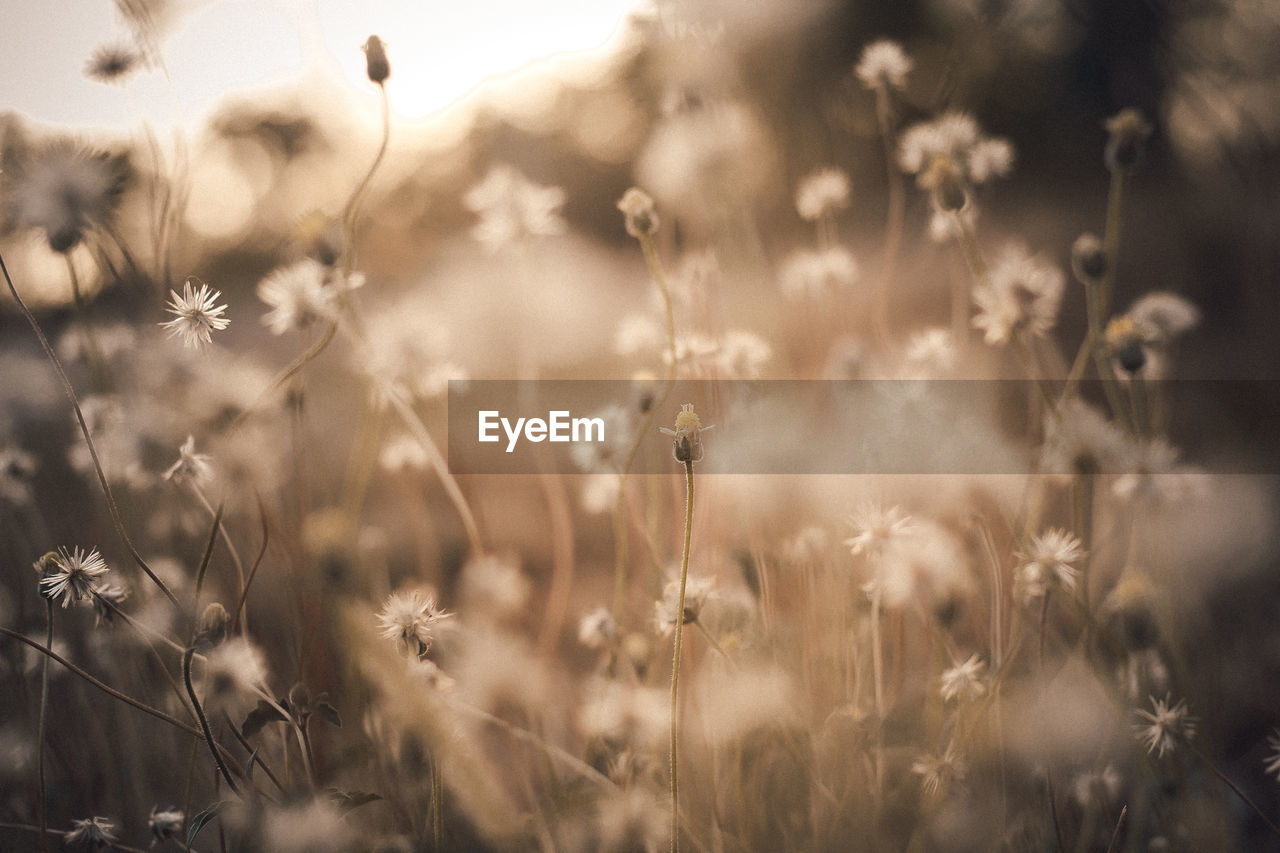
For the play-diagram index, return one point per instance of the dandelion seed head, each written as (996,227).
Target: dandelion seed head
(1021,294)
(938,772)
(409,618)
(70,575)
(197,315)
(1165,725)
(1048,561)
(883,64)
(822,193)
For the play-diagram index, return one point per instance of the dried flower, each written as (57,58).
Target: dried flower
(70,575)
(698,590)
(410,618)
(687,434)
(197,314)
(954,142)
(303,292)
(91,833)
(212,628)
(107,597)
(639,213)
(822,193)
(597,629)
(883,64)
(1048,561)
(964,681)
(234,668)
(376,64)
(937,772)
(1166,725)
(190,465)
(165,824)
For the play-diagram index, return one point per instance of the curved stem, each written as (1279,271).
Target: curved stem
(204,722)
(675,663)
(116,519)
(352,211)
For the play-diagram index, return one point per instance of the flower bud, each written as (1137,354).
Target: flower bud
(1126,344)
(640,213)
(1128,134)
(946,179)
(375,55)
(1088,259)
(213,627)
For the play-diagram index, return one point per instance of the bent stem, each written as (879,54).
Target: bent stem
(675,664)
(116,519)
(204,722)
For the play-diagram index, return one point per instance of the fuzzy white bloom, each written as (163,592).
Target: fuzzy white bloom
(822,193)
(17,467)
(197,315)
(698,591)
(190,465)
(624,713)
(1165,725)
(742,354)
(1152,474)
(1161,316)
(937,772)
(402,453)
(70,575)
(883,63)
(512,208)
(1048,561)
(233,668)
(808,274)
(597,629)
(317,827)
(1080,439)
(494,586)
(92,833)
(638,333)
(931,350)
(302,293)
(410,618)
(1020,294)
(599,493)
(874,526)
(165,824)
(955,138)
(964,681)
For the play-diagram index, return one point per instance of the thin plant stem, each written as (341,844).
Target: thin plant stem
(114,510)
(1115,833)
(1226,780)
(45,833)
(675,663)
(893,217)
(208,553)
(253,570)
(351,213)
(437,802)
(620,543)
(226,537)
(204,722)
(43,809)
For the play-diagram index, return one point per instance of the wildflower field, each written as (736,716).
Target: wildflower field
(787,426)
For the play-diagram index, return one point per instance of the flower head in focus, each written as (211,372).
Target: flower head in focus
(196,314)
(410,618)
(688,434)
(70,575)
(1165,724)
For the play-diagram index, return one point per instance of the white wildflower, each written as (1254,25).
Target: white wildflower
(66,191)
(808,274)
(234,668)
(1048,561)
(410,618)
(822,193)
(964,681)
(90,834)
(190,465)
(1165,725)
(883,64)
(931,351)
(165,824)
(1161,316)
(1020,294)
(875,526)
(197,314)
(937,772)
(302,293)
(742,354)
(512,208)
(597,629)
(698,591)
(70,575)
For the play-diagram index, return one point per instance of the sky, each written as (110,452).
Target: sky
(216,48)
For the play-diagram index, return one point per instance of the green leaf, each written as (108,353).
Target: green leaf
(198,822)
(259,717)
(348,801)
(328,713)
